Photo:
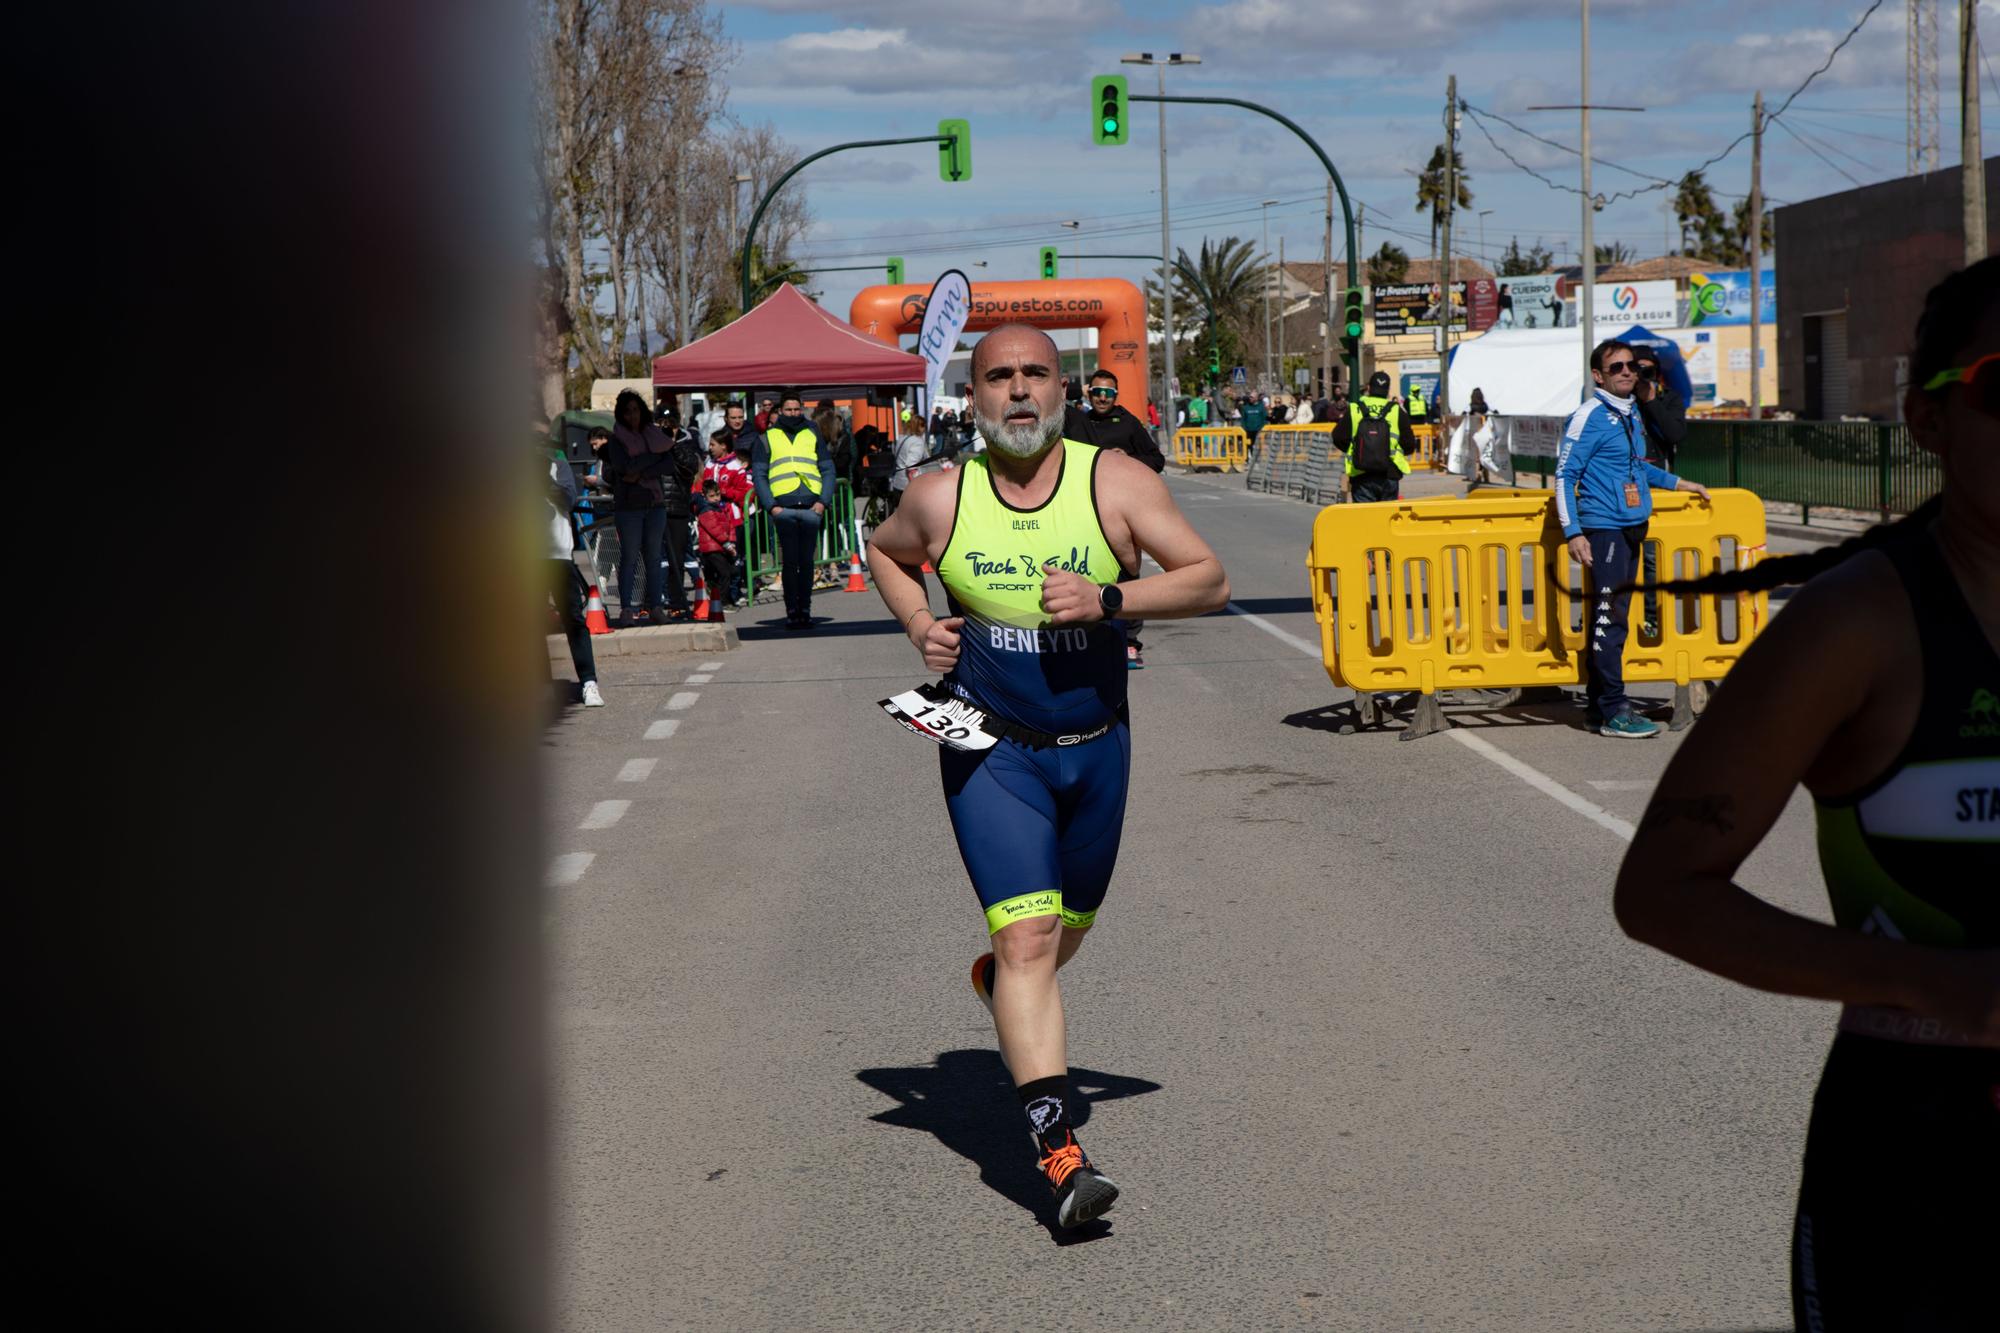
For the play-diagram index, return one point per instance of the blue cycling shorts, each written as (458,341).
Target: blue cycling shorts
(1038,829)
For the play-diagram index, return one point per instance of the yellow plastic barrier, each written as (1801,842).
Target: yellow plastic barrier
(1422,449)
(1226,448)
(1481,592)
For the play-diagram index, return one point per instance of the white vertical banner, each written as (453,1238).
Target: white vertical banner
(946,310)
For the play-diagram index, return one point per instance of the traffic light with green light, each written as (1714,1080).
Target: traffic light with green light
(1352,325)
(954,150)
(1108,108)
(896,271)
(1048,261)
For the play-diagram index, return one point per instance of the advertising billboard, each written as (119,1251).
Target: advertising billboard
(1616,306)
(1724,298)
(1413,307)
(1531,302)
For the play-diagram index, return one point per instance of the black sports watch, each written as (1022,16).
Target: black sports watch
(1110,598)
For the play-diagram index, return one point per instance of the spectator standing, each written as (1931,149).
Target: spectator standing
(565,579)
(715,540)
(1109,426)
(1664,416)
(1604,497)
(677,486)
(1255,416)
(1660,409)
(1372,435)
(791,466)
(1419,411)
(1323,409)
(731,475)
(911,451)
(637,455)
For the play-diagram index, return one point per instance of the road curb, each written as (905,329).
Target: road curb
(653,641)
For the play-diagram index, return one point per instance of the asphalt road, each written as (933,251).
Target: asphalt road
(1363,1046)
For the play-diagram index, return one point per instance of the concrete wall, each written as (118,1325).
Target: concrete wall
(1872,252)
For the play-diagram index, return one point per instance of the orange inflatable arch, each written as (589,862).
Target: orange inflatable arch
(1112,306)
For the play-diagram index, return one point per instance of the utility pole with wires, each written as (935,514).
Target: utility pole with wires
(1970,166)
(1756,257)
(1450,269)
(1281,311)
(1326,342)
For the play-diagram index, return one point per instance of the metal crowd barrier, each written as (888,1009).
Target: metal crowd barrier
(1225,448)
(1297,460)
(836,534)
(1481,593)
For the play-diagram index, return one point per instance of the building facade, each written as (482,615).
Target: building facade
(1856,267)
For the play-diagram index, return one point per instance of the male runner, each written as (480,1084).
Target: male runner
(1030,539)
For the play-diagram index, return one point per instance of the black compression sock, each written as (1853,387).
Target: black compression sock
(1046,1101)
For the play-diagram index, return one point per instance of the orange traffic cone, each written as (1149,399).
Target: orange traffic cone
(854,581)
(701,595)
(594,618)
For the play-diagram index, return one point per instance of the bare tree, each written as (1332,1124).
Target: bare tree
(622,86)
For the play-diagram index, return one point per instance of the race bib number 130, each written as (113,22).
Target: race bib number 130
(951,722)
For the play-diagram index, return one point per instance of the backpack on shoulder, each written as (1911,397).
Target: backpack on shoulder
(1371,442)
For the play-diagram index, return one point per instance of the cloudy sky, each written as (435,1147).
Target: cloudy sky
(1365,77)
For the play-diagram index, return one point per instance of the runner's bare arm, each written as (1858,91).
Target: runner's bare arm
(1768,729)
(1134,502)
(896,553)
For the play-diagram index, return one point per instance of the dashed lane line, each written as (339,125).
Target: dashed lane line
(701,679)
(1480,746)
(684,699)
(637,770)
(711,666)
(568,868)
(604,814)
(664,729)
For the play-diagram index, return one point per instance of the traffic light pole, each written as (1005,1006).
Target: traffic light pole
(750,236)
(839,268)
(1353,356)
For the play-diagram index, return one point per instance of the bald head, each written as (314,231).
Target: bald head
(1014,339)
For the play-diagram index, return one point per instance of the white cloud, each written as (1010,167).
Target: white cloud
(896,62)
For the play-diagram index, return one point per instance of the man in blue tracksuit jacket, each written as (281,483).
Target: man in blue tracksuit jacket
(1604,498)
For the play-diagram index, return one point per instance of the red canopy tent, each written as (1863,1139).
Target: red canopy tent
(787,341)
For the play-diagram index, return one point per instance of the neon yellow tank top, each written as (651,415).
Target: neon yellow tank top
(1010,660)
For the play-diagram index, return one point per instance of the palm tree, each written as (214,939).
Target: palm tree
(1222,286)
(1616,253)
(1431,192)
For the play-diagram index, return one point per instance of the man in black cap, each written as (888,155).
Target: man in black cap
(1372,433)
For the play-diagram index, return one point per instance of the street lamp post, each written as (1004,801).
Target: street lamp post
(1485,255)
(1270,374)
(1159,64)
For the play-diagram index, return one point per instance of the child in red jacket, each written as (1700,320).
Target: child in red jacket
(715,539)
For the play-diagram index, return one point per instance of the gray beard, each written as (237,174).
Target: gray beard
(1019,441)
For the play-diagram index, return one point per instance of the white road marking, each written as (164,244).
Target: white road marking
(1543,783)
(664,729)
(1529,774)
(604,814)
(637,770)
(711,666)
(569,867)
(1309,649)
(685,699)
(701,679)
(1623,784)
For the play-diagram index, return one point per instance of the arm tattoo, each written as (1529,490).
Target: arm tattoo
(1714,811)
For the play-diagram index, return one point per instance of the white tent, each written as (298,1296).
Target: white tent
(1539,372)
(1521,372)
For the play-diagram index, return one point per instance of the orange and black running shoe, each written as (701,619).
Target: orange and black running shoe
(1083,1193)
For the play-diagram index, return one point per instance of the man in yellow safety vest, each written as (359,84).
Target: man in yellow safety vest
(1372,435)
(792,468)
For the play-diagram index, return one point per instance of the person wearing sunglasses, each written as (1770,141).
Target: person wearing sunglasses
(1878,691)
(1604,499)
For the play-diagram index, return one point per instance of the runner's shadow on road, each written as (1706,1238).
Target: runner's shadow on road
(1475,710)
(967,1100)
(1270,606)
